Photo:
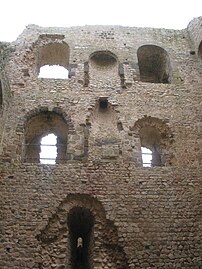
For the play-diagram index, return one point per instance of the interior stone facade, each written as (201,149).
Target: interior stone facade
(99,206)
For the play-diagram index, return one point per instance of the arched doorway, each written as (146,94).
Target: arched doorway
(80,223)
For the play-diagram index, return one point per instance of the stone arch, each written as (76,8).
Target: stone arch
(155,135)
(104,250)
(53,53)
(103,60)
(40,123)
(154,64)
(102,64)
(200,50)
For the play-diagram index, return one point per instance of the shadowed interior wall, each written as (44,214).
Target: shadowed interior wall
(154,64)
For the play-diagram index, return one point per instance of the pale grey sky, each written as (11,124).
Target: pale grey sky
(172,14)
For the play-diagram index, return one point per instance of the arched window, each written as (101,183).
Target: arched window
(81,236)
(53,60)
(155,140)
(40,128)
(154,64)
(151,144)
(48,152)
(80,222)
(200,50)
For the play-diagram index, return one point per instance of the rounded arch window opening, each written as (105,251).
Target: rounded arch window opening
(53,71)
(48,153)
(146,157)
(102,60)
(154,64)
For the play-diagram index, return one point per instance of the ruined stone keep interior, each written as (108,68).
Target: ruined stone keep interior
(101,167)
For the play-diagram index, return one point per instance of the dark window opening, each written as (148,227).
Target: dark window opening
(200,50)
(103,104)
(154,64)
(192,52)
(80,223)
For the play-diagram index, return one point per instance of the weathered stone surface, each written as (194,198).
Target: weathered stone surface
(114,102)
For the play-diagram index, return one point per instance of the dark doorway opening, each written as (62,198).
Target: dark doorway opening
(80,223)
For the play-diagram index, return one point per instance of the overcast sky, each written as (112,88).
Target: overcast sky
(172,14)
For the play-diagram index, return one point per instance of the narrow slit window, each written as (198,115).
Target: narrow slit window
(200,50)
(146,157)
(53,71)
(48,152)
(80,223)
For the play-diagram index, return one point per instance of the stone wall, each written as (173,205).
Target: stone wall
(195,32)
(156,213)
(127,88)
